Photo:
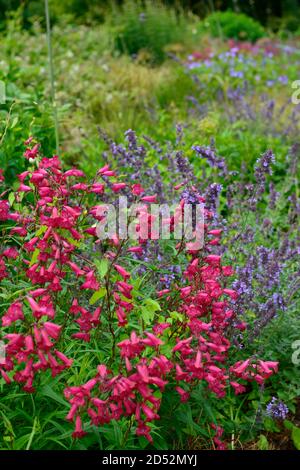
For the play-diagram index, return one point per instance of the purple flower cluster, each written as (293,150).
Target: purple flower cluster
(184,167)
(263,165)
(211,157)
(190,196)
(243,69)
(277,409)
(174,273)
(261,251)
(212,195)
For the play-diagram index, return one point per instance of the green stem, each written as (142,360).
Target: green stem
(213,10)
(51,71)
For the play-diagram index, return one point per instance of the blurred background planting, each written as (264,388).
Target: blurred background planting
(214,75)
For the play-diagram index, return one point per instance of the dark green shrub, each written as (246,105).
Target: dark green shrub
(289,26)
(79,11)
(292,23)
(233,26)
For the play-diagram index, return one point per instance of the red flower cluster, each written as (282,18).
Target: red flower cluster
(51,234)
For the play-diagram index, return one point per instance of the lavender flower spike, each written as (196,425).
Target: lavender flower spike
(276,409)
(211,157)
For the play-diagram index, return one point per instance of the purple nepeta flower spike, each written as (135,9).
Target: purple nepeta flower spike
(211,157)
(263,165)
(277,409)
(212,196)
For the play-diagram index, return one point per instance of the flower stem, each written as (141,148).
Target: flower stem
(51,71)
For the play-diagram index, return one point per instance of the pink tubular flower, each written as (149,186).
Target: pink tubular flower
(122,317)
(137,189)
(115,240)
(103,170)
(76,269)
(21,231)
(152,340)
(185,291)
(135,249)
(232,293)
(11,253)
(52,329)
(24,188)
(240,367)
(144,430)
(159,328)
(227,270)
(5,376)
(149,413)
(78,429)
(74,172)
(122,271)
(38,309)
(67,362)
(97,188)
(29,140)
(238,388)
(83,336)
(183,345)
(267,368)
(215,232)
(213,260)
(241,326)
(124,288)
(90,282)
(31,153)
(163,292)
(218,434)
(109,173)
(37,292)
(4,210)
(14,313)
(184,396)
(116,187)
(79,187)
(149,198)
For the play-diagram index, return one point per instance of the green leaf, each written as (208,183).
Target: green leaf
(177,316)
(147,315)
(34,257)
(11,198)
(33,432)
(97,295)
(296,437)
(48,392)
(41,230)
(152,305)
(102,266)
(166,349)
(14,122)
(270,425)
(137,283)
(288,424)
(74,242)
(263,443)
